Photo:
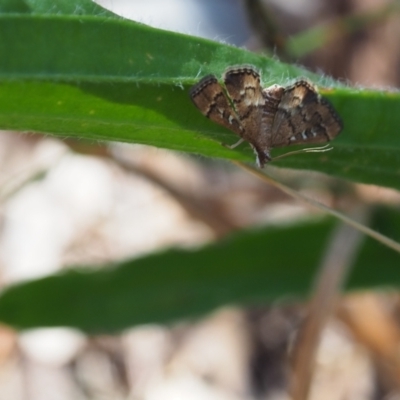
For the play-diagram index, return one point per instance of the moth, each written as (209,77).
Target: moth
(266,118)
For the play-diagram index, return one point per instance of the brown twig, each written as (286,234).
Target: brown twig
(333,272)
(371,323)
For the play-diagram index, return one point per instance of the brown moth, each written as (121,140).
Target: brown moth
(275,116)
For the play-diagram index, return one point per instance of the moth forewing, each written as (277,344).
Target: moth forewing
(209,97)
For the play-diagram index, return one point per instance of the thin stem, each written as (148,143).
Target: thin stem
(291,192)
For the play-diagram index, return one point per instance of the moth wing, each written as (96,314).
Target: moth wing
(209,97)
(243,86)
(303,116)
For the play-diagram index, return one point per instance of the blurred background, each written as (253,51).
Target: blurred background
(65,203)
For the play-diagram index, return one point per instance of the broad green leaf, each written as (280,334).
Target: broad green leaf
(106,78)
(250,267)
(76,7)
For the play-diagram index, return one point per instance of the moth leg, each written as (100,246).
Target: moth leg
(232,146)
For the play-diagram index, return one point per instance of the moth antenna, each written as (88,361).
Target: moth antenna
(322,149)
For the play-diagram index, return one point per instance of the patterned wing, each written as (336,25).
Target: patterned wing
(303,116)
(209,97)
(243,86)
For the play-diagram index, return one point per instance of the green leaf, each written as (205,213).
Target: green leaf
(246,268)
(13,6)
(97,76)
(76,7)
